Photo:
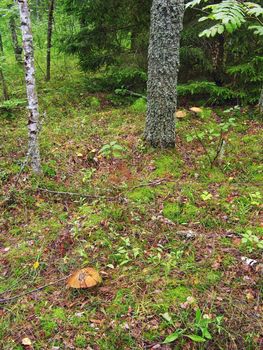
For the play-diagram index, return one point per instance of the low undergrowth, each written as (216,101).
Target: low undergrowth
(168,232)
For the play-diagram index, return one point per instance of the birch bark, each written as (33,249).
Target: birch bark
(163,64)
(33,120)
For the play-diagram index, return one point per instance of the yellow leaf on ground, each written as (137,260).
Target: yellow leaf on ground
(36,265)
(84,278)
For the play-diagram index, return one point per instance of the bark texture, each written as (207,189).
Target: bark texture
(33,121)
(17,48)
(49,36)
(261,101)
(218,59)
(163,65)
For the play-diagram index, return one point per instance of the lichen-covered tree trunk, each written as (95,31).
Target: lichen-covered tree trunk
(33,121)
(49,36)
(17,48)
(163,64)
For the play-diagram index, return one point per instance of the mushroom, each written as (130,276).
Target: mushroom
(84,278)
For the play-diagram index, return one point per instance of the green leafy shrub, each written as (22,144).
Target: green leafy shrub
(112,150)
(94,102)
(209,90)
(8,107)
(139,106)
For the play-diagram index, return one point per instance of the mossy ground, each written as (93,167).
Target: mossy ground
(131,230)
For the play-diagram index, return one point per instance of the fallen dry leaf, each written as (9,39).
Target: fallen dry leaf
(84,278)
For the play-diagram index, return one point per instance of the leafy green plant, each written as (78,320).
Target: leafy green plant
(81,341)
(206,196)
(251,241)
(49,169)
(200,327)
(212,136)
(126,253)
(230,15)
(9,106)
(255,198)
(112,150)
(209,90)
(94,102)
(88,175)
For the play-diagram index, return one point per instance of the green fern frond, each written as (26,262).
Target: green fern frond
(229,16)
(258,30)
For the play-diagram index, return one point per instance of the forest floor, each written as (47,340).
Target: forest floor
(169,234)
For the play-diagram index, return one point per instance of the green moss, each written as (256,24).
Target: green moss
(211,221)
(114,212)
(59,314)
(180,212)
(168,165)
(81,341)
(92,218)
(121,303)
(142,195)
(255,172)
(170,297)
(117,338)
(172,211)
(208,278)
(178,294)
(213,175)
(49,326)
(228,260)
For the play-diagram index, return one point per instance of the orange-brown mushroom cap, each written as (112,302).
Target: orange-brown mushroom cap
(84,278)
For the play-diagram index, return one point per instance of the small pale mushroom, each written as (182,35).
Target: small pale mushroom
(195,110)
(26,342)
(181,114)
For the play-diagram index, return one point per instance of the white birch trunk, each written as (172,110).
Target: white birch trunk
(33,120)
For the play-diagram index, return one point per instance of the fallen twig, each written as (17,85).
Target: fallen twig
(132,93)
(6,300)
(86,195)
(77,194)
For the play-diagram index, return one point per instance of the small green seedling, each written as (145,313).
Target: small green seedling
(206,196)
(201,328)
(251,241)
(112,150)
